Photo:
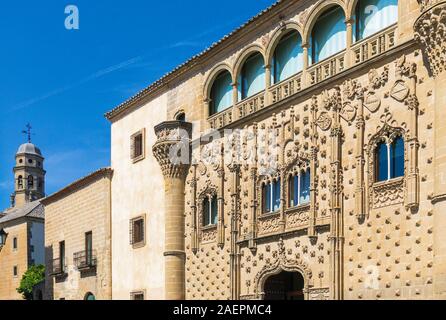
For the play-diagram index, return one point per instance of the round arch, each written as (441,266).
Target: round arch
(89,296)
(214,73)
(316,12)
(243,56)
(277,36)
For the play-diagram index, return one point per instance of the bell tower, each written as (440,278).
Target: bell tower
(29,175)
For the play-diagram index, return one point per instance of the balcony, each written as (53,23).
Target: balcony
(58,267)
(374,45)
(326,68)
(286,88)
(85,260)
(358,53)
(251,105)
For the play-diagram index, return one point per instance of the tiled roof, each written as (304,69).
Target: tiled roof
(181,68)
(32,210)
(76,184)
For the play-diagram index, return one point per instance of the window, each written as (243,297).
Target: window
(137,232)
(30,181)
(137,143)
(373,16)
(139,295)
(181,117)
(30,161)
(14,243)
(252,77)
(271,196)
(210,211)
(20,182)
(299,189)
(221,93)
(329,35)
(288,57)
(90,296)
(389,160)
(15,271)
(89,248)
(62,256)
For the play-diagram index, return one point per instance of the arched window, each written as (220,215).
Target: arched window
(299,189)
(329,35)
(252,77)
(373,16)
(271,196)
(288,57)
(89,296)
(210,211)
(181,117)
(30,181)
(221,93)
(390,160)
(20,182)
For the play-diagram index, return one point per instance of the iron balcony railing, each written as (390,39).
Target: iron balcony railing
(58,266)
(85,259)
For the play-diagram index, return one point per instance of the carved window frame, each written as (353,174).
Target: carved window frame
(380,191)
(299,168)
(207,233)
(265,180)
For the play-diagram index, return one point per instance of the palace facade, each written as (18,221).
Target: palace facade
(302,157)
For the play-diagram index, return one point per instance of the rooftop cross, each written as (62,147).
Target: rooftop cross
(28,132)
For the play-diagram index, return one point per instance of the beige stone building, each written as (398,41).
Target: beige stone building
(78,239)
(22,225)
(333,187)
(137,204)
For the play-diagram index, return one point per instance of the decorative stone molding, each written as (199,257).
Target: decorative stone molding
(172,149)
(430,32)
(279,264)
(391,192)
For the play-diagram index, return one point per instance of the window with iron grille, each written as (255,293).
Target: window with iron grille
(137,149)
(137,232)
(137,295)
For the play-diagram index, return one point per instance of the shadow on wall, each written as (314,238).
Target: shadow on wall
(48,292)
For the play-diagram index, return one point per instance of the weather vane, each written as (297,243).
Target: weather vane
(28,132)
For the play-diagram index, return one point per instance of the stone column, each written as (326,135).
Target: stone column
(172,150)
(430,31)
(306,49)
(349,54)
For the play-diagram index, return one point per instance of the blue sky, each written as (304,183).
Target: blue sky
(63,81)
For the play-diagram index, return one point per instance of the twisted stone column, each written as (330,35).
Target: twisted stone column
(172,150)
(430,31)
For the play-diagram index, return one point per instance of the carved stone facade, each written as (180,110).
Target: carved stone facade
(356,238)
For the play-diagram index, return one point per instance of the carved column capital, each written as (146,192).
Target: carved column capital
(172,148)
(430,32)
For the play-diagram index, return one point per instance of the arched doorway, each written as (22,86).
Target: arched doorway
(285,286)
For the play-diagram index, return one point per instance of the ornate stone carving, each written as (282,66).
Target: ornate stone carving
(324,121)
(268,224)
(298,217)
(320,294)
(172,149)
(281,263)
(387,194)
(430,32)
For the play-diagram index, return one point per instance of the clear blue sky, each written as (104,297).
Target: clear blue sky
(63,81)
